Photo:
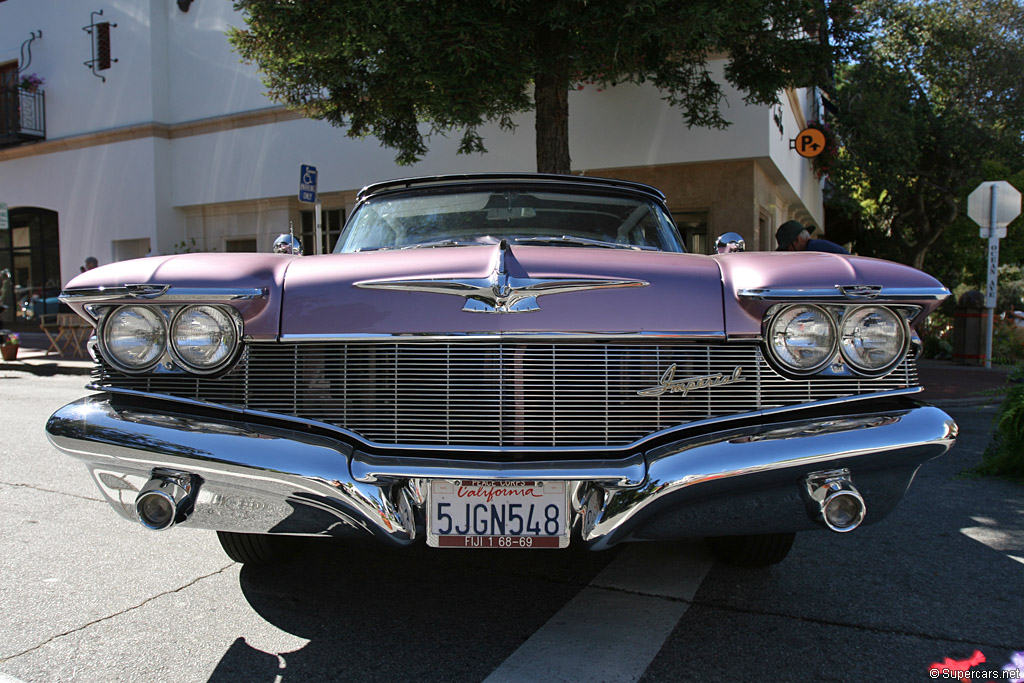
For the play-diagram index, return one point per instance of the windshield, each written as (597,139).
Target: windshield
(519,216)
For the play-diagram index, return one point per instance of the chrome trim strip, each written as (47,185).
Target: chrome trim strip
(431,337)
(626,473)
(86,295)
(639,444)
(847,293)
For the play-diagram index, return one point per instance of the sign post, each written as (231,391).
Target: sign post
(307,194)
(992,205)
(5,223)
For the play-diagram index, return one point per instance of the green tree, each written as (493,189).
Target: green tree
(960,258)
(384,67)
(935,96)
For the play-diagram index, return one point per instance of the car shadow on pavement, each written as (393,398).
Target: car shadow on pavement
(416,613)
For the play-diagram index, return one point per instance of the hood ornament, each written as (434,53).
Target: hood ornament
(500,291)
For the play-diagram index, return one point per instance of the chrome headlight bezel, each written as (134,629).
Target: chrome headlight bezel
(167,356)
(158,343)
(843,362)
(785,315)
(228,323)
(902,339)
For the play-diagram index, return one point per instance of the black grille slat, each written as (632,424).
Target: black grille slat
(499,393)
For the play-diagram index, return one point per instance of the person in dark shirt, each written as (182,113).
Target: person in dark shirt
(792,236)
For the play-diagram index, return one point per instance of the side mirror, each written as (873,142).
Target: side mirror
(730,243)
(287,244)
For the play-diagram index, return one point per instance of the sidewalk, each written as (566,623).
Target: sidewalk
(948,384)
(32,357)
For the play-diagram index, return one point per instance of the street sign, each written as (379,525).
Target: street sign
(809,143)
(307,184)
(992,205)
(5,223)
(995,202)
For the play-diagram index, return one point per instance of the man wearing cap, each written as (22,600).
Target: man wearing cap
(792,236)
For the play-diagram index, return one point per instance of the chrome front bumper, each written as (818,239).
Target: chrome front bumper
(257,478)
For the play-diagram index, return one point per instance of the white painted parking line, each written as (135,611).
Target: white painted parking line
(613,628)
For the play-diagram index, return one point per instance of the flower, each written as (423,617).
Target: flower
(31,82)
(1016,665)
(10,338)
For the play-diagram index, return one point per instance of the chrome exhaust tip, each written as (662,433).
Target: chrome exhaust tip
(165,500)
(834,501)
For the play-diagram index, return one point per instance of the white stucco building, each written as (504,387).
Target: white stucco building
(174,147)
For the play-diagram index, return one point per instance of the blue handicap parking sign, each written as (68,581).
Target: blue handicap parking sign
(307,184)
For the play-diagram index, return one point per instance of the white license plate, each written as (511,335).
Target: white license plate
(497,514)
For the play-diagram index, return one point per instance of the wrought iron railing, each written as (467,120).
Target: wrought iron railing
(22,116)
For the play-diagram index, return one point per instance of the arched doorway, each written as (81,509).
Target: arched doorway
(30,249)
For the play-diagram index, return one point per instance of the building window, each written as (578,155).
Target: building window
(129,249)
(693,225)
(30,249)
(765,231)
(332,220)
(235,245)
(8,99)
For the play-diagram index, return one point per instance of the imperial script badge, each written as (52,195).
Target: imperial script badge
(669,383)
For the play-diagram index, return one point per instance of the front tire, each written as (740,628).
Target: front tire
(753,550)
(259,549)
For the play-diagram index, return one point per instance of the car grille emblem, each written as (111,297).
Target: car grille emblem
(500,291)
(669,384)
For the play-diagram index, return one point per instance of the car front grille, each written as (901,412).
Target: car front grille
(503,394)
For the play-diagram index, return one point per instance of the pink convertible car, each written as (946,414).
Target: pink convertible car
(505,361)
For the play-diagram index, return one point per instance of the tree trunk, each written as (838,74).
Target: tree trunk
(551,101)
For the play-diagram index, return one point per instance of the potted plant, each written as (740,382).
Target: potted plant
(31,82)
(9,343)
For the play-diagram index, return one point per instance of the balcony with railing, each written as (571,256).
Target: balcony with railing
(22,116)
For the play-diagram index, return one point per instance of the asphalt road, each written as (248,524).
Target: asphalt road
(85,596)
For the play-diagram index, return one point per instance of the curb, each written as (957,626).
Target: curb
(47,368)
(965,402)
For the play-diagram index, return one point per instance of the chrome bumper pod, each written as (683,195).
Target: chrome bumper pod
(750,481)
(246,477)
(254,479)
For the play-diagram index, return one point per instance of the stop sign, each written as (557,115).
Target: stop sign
(999,195)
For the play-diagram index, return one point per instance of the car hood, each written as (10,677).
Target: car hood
(574,290)
(205,272)
(808,276)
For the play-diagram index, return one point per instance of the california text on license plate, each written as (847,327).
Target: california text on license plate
(497,514)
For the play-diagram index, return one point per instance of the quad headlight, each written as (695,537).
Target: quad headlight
(199,338)
(872,338)
(134,337)
(203,338)
(802,338)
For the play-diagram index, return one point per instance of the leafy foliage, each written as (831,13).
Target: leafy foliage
(935,96)
(384,67)
(1005,454)
(960,258)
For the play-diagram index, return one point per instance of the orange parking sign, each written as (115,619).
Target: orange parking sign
(810,142)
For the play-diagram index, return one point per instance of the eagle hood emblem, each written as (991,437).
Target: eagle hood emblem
(500,291)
